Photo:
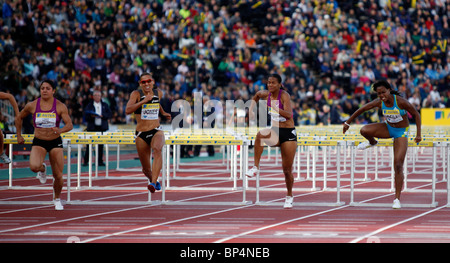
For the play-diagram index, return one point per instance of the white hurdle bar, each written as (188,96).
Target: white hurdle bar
(433,190)
(338,202)
(448,174)
(166,171)
(230,164)
(70,141)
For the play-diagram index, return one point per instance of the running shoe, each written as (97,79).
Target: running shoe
(365,145)
(42,176)
(288,202)
(396,204)
(157,186)
(58,204)
(5,158)
(252,172)
(151,187)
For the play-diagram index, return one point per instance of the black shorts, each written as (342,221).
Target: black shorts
(147,136)
(48,145)
(285,134)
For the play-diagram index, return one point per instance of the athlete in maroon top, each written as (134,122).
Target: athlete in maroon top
(47,114)
(281,134)
(46,119)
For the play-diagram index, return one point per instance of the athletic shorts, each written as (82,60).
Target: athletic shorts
(48,145)
(147,136)
(397,132)
(285,134)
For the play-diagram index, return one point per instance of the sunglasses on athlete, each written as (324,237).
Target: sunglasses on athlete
(143,82)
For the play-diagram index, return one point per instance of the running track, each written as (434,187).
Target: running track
(248,224)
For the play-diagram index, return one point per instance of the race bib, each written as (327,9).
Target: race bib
(45,120)
(275,115)
(150,111)
(393,116)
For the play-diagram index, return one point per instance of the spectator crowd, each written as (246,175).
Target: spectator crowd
(327,51)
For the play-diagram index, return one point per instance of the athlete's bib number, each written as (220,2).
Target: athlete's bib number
(275,115)
(150,111)
(45,120)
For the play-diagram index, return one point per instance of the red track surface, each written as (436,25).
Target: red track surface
(252,223)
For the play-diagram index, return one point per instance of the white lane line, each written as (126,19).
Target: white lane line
(162,224)
(356,240)
(110,212)
(278,224)
(179,220)
(73,218)
(315,214)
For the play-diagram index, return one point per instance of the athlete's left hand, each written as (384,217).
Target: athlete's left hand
(168,116)
(56,131)
(418,139)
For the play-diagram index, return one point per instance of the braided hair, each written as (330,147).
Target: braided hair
(384,83)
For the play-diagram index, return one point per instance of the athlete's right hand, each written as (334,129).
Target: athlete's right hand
(20,139)
(345,127)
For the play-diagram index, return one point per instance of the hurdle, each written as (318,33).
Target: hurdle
(166,171)
(448,174)
(106,141)
(198,139)
(432,145)
(165,182)
(203,137)
(12,139)
(231,141)
(315,143)
(72,141)
(67,143)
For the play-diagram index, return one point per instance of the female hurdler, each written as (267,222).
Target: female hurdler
(145,103)
(47,114)
(282,133)
(396,126)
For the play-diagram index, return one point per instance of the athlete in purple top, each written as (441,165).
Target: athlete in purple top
(282,133)
(47,114)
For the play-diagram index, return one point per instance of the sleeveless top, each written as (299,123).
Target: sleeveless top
(393,114)
(275,115)
(150,110)
(46,119)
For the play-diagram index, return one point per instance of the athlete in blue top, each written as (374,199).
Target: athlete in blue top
(396,126)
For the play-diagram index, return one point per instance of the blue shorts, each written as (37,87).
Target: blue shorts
(397,132)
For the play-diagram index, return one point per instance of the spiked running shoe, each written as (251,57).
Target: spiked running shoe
(5,158)
(42,176)
(151,187)
(288,202)
(365,145)
(58,204)
(252,172)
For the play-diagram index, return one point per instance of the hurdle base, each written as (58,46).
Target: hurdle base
(79,202)
(125,203)
(435,204)
(27,202)
(186,188)
(299,204)
(169,202)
